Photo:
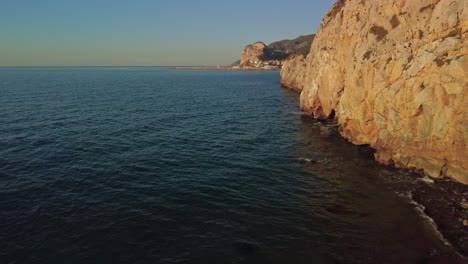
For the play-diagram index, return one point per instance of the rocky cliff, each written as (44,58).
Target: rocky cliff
(394,74)
(293,72)
(276,52)
(252,53)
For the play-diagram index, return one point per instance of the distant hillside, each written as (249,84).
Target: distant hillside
(298,45)
(236,63)
(258,54)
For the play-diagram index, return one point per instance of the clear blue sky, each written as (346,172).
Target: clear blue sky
(146,32)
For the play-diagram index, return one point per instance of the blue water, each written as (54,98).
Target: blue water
(152,165)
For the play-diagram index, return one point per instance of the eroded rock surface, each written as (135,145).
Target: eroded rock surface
(293,72)
(394,74)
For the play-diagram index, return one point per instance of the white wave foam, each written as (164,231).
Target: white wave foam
(421,212)
(426,180)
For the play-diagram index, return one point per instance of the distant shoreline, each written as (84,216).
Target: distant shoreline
(215,68)
(200,68)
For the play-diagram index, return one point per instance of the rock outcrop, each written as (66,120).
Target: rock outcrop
(394,74)
(252,53)
(258,55)
(293,72)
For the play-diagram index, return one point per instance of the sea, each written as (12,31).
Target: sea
(155,165)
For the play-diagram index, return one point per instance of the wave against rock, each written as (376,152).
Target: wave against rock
(394,75)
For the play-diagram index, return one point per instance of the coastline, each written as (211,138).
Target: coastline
(442,201)
(222,68)
(445,202)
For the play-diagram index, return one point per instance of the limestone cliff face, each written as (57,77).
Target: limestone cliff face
(395,75)
(252,52)
(293,72)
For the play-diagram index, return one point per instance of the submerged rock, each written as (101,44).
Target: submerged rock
(246,247)
(443,202)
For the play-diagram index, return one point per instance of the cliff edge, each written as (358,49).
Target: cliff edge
(395,76)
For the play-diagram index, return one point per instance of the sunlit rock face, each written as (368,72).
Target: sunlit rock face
(293,72)
(394,74)
(252,53)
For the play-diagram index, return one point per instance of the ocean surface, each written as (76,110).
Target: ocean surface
(152,165)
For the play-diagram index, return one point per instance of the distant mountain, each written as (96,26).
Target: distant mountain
(258,54)
(236,63)
(298,45)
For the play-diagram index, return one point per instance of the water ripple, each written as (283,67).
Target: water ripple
(148,165)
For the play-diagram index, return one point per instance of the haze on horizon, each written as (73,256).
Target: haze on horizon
(145,32)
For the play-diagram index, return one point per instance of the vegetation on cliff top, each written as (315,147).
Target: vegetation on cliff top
(281,50)
(298,45)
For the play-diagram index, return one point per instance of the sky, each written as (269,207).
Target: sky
(147,32)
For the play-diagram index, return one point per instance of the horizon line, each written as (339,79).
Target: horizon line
(70,66)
